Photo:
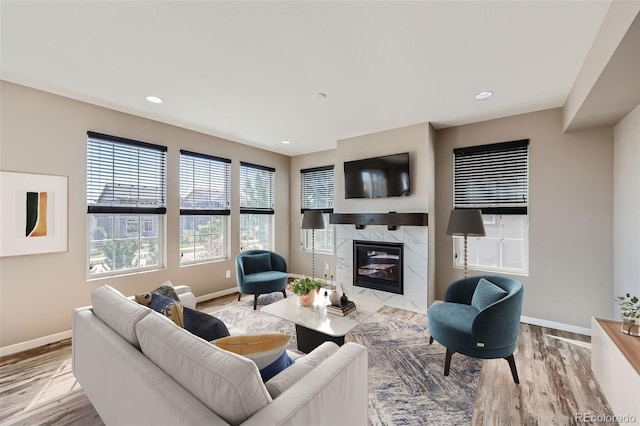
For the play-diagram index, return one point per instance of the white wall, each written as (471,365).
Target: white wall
(46,134)
(626,207)
(570,213)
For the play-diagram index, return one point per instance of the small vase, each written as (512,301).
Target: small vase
(334,298)
(630,326)
(307,299)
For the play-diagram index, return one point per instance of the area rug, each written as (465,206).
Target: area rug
(406,381)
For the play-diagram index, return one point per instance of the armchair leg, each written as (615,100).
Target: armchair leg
(447,361)
(430,340)
(239,296)
(284,292)
(514,372)
(255,301)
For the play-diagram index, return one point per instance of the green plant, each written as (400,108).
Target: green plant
(630,307)
(304,285)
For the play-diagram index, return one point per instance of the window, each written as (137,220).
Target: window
(126,193)
(205,190)
(256,206)
(494,178)
(317,193)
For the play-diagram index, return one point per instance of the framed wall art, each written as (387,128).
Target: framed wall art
(33,213)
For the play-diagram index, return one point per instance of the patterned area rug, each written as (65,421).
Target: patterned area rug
(406,381)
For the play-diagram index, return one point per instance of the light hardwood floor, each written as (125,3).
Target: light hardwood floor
(38,388)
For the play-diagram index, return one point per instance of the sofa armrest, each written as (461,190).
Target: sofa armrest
(319,398)
(187,298)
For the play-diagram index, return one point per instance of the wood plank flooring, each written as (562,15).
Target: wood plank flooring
(38,388)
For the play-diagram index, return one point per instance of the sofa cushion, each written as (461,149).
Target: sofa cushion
(268,351)
(227,383)
(164,305)
(254,263)
(303,366)
(118,312)
(203,325)
(486,293)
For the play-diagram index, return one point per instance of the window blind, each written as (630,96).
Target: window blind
(205,184)
(317,189)
(256,189)
(125,176)
(493,178)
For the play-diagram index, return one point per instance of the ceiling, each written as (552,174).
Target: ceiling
(250,71)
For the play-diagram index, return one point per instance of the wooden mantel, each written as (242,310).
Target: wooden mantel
(391,219)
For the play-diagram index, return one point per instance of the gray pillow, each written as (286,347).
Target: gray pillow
(486,293)
(256,263)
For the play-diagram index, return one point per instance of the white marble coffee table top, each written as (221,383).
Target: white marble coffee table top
(316,317)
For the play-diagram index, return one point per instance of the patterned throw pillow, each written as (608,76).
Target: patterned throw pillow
(164,305)
(267,351)
(168,291)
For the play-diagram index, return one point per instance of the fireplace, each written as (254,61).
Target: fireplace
(378,266)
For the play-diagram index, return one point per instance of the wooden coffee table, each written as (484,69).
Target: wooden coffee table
(314,325)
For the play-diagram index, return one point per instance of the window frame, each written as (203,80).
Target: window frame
(211,169)
(495,179)
(109,168)
(325,202)
(254,206)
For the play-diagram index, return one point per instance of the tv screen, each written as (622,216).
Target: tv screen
(377,177)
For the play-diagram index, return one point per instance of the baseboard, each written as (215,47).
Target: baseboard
(556,325)
(206,297)
(30,344)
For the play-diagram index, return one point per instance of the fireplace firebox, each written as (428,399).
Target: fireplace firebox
(378,266)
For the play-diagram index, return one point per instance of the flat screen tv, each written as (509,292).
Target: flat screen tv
(377,177)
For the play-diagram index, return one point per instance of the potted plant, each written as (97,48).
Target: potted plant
(305,288)
(630,307)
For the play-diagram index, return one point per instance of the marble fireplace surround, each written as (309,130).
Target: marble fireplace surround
(415,239)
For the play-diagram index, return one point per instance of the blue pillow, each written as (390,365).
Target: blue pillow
(203,325)
(486,293)
(276,367)
(256,263)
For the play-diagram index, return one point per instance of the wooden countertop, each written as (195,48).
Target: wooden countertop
(628,345)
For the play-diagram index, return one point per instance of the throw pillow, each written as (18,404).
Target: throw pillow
(303,366)
(164,305)
(267,351)
(486,293)
(167,290)
(256,263)
(203,325)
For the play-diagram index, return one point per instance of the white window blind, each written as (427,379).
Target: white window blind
(317,189)
(125,176)
(205,184)
(493,178)
(256,189)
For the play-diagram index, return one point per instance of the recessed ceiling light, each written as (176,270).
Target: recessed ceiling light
(154,99)
(320,96)
(286,142)
(484,95)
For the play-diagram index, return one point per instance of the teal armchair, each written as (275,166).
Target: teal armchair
(260,272)
(480,318)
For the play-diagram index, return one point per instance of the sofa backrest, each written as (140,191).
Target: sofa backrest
(118,312)
(229,384)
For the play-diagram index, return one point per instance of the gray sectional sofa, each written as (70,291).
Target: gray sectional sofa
(138,367)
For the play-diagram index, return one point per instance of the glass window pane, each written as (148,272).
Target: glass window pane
(512,226)
(255,232)
(512,254)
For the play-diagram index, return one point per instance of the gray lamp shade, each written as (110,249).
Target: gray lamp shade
(312,219)
(466,222)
